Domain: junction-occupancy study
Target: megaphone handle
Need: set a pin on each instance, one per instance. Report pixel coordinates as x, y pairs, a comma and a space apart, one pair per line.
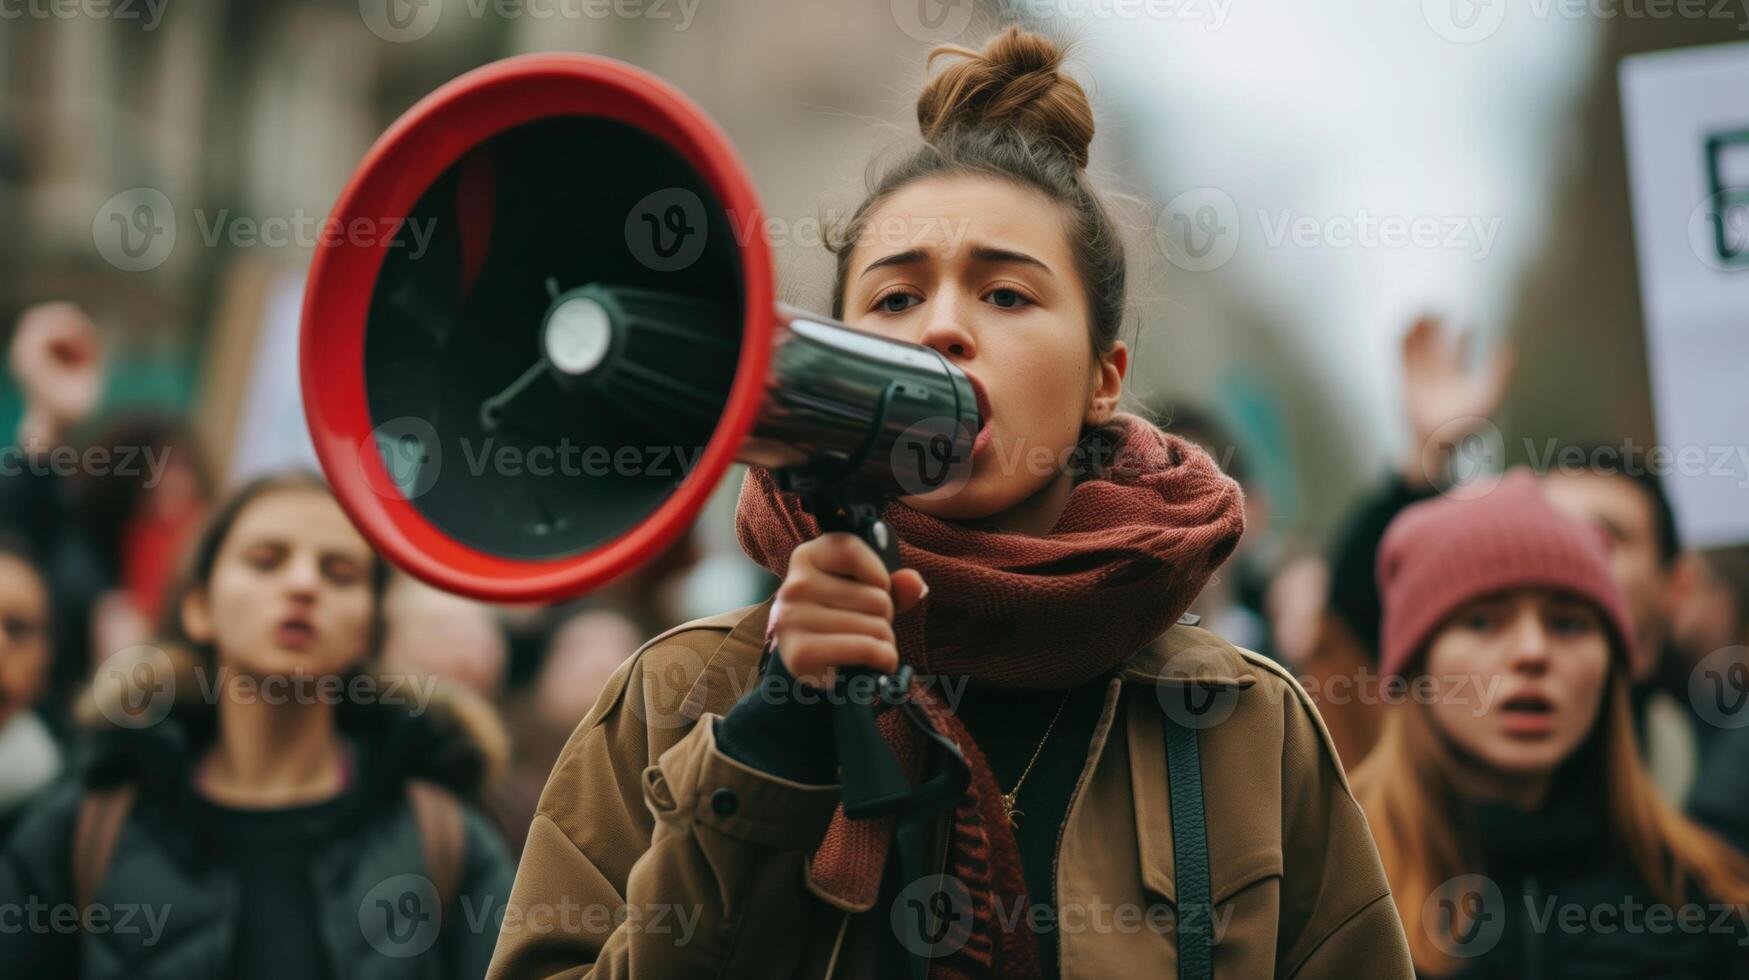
870, 779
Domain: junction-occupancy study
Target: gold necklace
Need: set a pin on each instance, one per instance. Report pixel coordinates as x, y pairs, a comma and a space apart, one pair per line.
1012, 796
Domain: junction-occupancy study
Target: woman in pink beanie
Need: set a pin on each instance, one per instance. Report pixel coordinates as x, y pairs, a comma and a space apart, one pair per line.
1520, 833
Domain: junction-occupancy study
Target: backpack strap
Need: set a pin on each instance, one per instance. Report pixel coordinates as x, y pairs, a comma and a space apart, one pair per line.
439, 817
96, 829
1190, 852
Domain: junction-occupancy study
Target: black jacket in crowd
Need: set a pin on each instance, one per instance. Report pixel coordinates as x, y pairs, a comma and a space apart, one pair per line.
1720, 797
1559, 899
194, 890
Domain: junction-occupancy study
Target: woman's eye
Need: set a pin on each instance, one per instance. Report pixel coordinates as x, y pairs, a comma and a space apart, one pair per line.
263, 559
1480, 621
342, 571
19, 631
1007, 299
897, 302
1571, 623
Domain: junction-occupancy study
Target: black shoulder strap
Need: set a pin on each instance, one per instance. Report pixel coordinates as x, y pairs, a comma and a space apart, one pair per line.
1190, 852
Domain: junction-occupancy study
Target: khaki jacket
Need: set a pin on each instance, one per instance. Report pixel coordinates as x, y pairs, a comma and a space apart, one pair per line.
654, 855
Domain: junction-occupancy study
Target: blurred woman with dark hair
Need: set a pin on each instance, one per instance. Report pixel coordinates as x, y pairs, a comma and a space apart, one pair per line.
1513, 792
275, 806
142, 516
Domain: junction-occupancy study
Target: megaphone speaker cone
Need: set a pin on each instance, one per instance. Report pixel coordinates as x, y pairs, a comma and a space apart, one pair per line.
456, 375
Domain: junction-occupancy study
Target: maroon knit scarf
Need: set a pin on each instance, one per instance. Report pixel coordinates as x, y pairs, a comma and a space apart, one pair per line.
1133, 547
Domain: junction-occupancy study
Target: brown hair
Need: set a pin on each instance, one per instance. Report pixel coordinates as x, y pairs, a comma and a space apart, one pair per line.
1009, 112
1412, 808
205, 554
20, 550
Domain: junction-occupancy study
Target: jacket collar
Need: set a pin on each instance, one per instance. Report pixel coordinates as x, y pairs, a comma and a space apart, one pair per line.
1184, 654
732, 666
1188, 655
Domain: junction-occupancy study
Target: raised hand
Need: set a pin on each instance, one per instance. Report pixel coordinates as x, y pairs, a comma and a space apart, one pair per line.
57, 359
1444, 397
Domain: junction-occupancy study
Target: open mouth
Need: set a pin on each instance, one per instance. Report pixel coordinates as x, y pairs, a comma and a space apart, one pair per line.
295, 633
982, 439
1528, 714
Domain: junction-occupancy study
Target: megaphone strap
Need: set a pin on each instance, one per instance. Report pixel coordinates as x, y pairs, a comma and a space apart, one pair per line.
982, 854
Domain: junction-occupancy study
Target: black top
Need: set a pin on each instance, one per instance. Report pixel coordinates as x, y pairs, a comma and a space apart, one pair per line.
1008, 726
269, 852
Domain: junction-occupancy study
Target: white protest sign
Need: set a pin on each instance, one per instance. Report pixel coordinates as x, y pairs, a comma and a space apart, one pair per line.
1686, 115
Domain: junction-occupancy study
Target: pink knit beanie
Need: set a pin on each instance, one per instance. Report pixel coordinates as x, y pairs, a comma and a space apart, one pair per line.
1440, 554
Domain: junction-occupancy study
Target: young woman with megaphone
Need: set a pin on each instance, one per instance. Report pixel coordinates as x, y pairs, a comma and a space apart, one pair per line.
692, 826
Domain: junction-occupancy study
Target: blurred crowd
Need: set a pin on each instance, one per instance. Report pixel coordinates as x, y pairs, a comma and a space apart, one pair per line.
96, 567
97, 517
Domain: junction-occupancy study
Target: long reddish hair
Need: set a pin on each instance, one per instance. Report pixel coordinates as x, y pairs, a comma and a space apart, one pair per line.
1406, 788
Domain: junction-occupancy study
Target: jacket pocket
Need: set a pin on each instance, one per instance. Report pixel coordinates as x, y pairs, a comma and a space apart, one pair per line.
1244, 839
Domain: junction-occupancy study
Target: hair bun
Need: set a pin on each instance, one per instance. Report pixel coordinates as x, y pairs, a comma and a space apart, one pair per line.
1015, 82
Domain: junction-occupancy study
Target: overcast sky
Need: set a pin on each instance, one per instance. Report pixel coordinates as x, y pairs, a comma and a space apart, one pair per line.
1325, 127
